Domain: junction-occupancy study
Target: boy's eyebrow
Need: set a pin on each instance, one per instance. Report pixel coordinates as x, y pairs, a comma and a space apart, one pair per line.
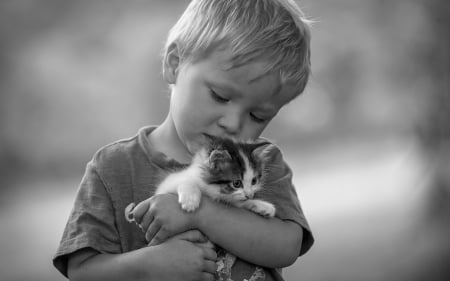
224, 86
231, 88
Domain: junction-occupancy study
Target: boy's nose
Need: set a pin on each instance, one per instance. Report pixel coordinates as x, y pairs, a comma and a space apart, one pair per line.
231, 123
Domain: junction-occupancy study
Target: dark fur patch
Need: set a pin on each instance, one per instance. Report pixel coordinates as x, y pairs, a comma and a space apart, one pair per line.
223, 170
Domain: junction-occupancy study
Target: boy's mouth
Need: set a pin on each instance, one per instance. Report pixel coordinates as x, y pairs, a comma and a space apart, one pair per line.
211, 137
208, 137
204, 139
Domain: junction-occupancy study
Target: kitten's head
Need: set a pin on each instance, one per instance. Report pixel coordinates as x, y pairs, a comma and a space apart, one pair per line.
234, 167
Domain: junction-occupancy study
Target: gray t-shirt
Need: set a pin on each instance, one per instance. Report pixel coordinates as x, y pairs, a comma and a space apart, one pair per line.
128, 171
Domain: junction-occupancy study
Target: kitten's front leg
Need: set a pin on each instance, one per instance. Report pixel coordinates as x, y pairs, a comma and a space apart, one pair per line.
189, 196
260, 207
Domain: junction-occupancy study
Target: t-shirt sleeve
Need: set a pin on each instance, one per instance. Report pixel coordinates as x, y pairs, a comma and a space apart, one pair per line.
279, 190
91, 223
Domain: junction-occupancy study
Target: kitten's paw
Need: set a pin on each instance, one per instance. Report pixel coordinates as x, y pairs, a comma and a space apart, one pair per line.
263, 208
189, 201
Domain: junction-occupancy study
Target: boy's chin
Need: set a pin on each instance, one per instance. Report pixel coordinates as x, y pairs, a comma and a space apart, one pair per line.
202, 141
195, 146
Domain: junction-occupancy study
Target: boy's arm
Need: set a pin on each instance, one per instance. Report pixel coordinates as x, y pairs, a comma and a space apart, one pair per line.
267, 242
190, 252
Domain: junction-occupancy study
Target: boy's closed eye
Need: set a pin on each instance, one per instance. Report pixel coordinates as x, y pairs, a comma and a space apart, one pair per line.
258, 119
218, 98
221, 99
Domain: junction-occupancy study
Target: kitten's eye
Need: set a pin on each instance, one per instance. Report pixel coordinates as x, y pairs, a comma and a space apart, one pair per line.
254, 181
236, 183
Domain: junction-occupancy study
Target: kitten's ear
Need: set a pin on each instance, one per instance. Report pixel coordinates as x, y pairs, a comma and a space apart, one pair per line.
255, 145
218, 158
265, 152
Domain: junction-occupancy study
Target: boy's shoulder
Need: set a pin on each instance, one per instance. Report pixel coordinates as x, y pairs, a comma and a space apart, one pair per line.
115, 151
121, 154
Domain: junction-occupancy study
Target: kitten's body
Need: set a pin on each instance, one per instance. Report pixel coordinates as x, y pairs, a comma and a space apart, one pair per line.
226, 171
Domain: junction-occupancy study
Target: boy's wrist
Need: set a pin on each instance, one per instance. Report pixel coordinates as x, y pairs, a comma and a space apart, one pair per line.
200, 216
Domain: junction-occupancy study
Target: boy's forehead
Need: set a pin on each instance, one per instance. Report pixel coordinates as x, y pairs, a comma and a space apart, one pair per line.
253, 76
246, 72
262, 81
282, 96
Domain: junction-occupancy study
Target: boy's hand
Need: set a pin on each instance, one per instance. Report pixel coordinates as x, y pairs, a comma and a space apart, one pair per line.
187, 256
161, 217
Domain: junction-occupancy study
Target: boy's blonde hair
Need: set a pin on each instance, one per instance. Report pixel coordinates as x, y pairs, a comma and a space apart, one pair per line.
273, 31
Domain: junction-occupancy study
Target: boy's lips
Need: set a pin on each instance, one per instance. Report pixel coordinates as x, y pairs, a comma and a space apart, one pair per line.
210, 136
206, 138
203, 139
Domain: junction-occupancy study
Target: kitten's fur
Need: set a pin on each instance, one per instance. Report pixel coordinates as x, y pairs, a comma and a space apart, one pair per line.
225, 170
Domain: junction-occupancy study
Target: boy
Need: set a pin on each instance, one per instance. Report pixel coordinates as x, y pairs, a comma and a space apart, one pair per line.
232, 65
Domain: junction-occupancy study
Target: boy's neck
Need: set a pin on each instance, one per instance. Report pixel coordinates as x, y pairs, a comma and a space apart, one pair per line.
163, 139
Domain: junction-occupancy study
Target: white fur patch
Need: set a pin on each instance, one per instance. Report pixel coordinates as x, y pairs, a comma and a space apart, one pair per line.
248, 176
192, 173
187, 184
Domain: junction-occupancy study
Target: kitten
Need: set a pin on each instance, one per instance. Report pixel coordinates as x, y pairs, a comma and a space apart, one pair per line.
225, 170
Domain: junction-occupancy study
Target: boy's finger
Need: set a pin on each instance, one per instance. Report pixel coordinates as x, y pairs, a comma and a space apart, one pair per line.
209, 267
146, 221
207, 244
209, 254
154, 228
140, 210
158, 238
194, 236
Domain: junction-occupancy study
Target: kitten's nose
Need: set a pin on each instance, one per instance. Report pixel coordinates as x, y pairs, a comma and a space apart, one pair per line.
248, 194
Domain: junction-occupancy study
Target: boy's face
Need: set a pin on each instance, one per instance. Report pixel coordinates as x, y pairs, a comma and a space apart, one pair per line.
209, 97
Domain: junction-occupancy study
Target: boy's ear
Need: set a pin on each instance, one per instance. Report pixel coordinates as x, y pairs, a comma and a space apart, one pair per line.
171, 64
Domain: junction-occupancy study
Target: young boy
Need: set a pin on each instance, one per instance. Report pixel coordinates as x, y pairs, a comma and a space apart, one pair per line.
232, 65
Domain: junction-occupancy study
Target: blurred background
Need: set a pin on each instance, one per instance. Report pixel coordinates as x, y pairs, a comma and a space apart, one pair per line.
368, 141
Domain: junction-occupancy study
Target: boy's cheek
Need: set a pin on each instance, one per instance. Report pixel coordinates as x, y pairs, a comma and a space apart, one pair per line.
253, 132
